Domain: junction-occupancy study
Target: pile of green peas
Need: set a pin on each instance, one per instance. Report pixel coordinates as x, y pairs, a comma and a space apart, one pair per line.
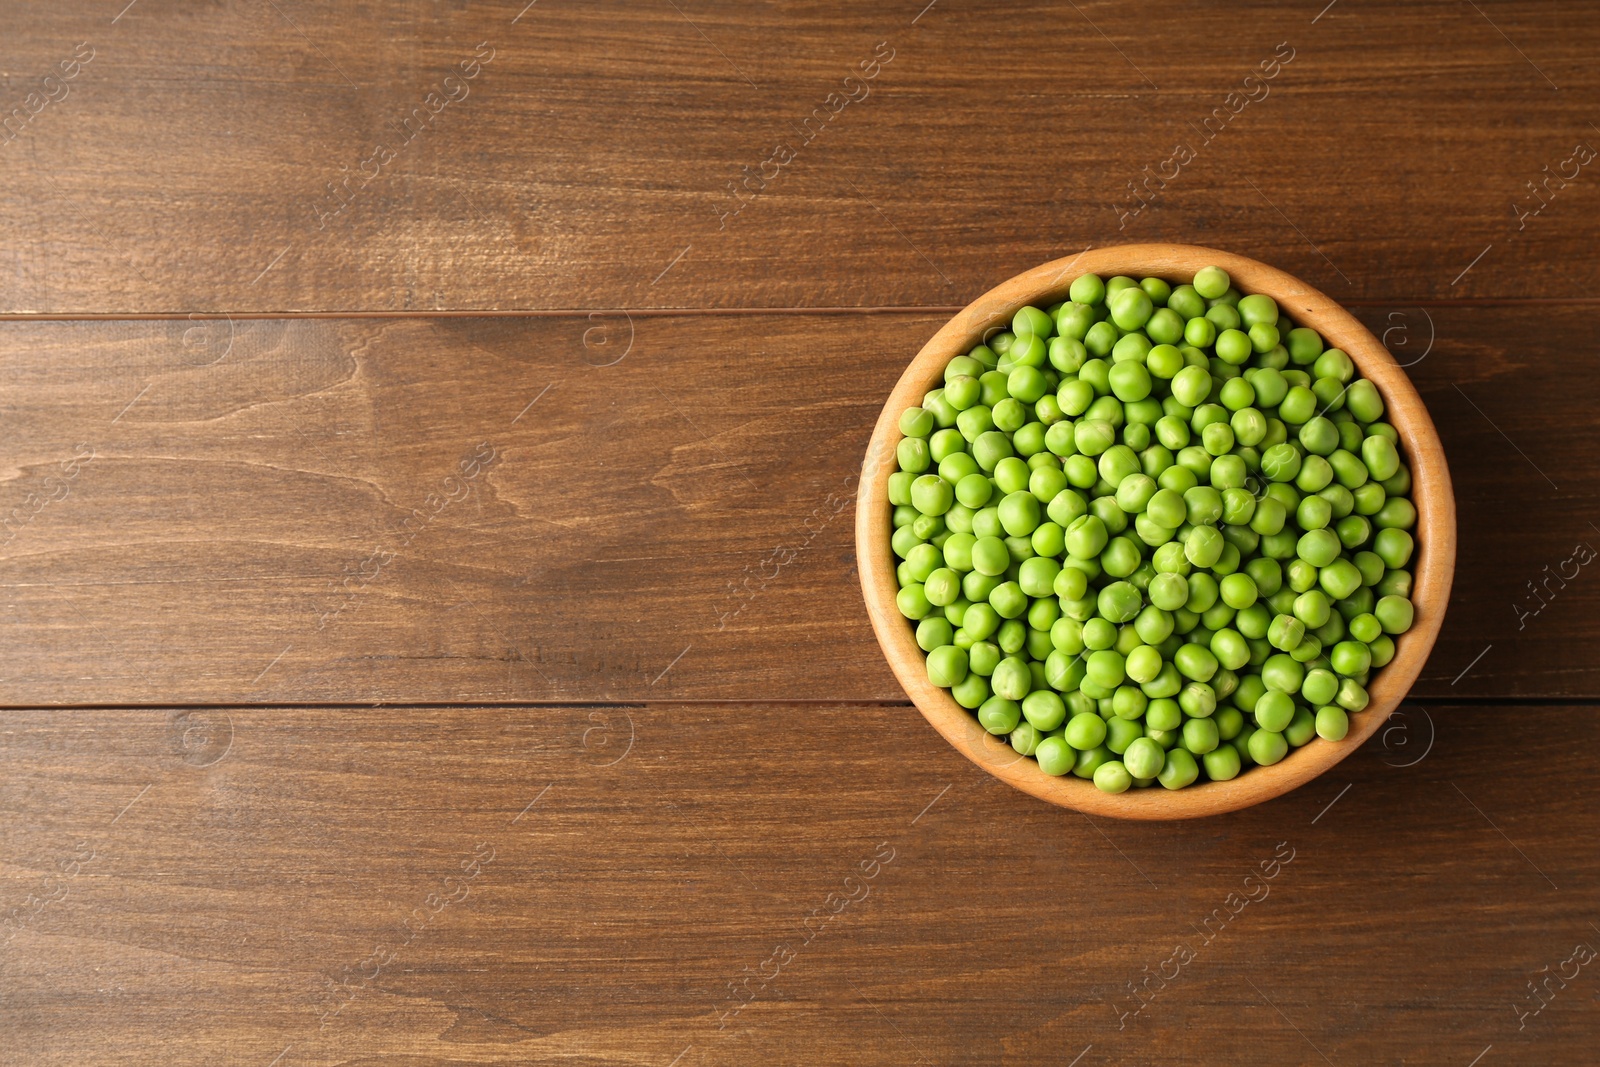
1154, 533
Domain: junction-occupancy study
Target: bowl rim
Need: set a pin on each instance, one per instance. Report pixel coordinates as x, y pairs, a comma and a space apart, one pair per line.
1433, 563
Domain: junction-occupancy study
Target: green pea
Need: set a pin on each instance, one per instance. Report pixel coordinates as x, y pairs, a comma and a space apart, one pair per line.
1332, 723
1363, 401
913, 455
1334, 364
1249, 427
1084, 731
1379, 454
1394, 546
1210, 283
1222, 764
1382, 648
947, 665
1195, 662
1394, 613
1352, 696
1112, 777
1267, 747
1282, 673
1131, 308
1340, 579
1301, 729
1349, 658
1106, 668
1030, 320
932, 495
916, 422
1179, 770
1144, 758
1286, 632
1200, 736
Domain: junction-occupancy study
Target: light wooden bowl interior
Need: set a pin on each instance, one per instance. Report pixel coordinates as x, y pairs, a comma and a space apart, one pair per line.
1433, 564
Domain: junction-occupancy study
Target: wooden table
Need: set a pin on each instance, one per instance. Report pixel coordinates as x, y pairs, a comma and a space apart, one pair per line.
431, 629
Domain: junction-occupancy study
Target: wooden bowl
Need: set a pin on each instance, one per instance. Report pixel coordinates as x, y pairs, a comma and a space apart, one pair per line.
1433, 564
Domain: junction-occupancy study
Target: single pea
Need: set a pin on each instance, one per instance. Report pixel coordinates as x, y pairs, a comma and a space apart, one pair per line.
1286, 632
1301, 729
947, 665
1313, 608
932, 495
1084, 731
1318, 547
974, 490
1332, 723
1299, 406
1366, 628
923, 560
1210, 283
1203, 591
916, 422
1352, 696
1394, 613
963, 392
1222, 763
1019, 513
1330, 395
1267, 747
1086, 536
1131, 308
1319, 436
1044, 708
1230, 649
1030, 320
913, 602
1009, 415
1379, 454
1055, 756
1098, 634
1363, 401
1349, 658
1025, 739
1282, 673
1179, 770
1394, 546
934, 631
913, 455
1353, 530
1300, 575
1106, 668
1120, 733
1339, 579
1238, 591
1087, 289
1394, 583
1204, 545
1144, 758
1012, 679
1305, 345
1008, 599
1112, 777
1233, 347
1037, 576
1382, 648
1200, 736
1320, 686
942, 587
990, 556
1198, 700
1191, 385
999, 715
1195, 662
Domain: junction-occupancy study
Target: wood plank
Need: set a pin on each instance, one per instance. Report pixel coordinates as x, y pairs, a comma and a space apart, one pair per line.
200, 160
193, 887
291, 522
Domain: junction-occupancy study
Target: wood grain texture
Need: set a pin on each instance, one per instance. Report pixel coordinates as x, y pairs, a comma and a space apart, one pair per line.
249, 156
192, 886
291, 522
